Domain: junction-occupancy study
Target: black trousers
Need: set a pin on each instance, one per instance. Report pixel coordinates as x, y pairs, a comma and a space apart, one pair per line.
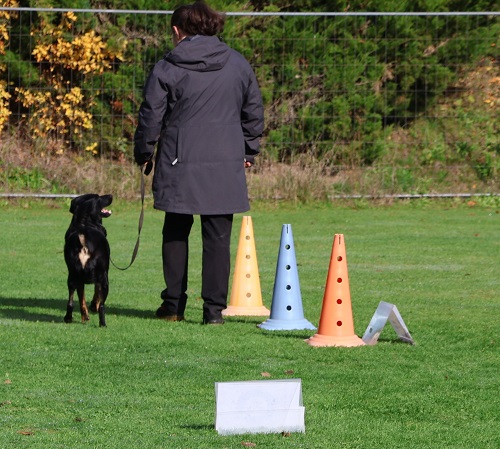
216, 262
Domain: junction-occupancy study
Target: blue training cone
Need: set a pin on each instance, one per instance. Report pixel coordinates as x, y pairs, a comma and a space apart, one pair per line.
286, 308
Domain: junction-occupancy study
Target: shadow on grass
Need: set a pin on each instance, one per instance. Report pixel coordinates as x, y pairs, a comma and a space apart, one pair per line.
294, 334
198, 426
28, 309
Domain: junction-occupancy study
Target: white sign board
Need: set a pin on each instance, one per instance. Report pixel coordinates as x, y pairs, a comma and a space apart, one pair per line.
261, 406
386, 312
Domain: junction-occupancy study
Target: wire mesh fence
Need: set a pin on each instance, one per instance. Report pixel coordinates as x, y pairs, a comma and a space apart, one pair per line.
352, 89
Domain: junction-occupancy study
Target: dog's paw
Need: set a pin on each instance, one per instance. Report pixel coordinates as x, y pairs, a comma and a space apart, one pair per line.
68, 319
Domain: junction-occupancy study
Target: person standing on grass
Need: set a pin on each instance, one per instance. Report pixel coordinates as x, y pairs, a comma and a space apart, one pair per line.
202, 106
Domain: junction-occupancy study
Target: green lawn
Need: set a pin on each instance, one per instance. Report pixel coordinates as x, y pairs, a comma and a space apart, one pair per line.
145, 383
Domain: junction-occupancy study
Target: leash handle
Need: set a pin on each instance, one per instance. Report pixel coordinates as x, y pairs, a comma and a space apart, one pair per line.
139, 227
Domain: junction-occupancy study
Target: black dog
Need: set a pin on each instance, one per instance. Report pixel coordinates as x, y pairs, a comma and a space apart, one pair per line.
87, 253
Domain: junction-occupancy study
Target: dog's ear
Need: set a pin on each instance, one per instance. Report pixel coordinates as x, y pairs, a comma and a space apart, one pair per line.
80, 200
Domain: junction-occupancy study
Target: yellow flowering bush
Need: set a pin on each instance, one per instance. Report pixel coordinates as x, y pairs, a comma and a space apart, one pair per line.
57, 114
62, 110
5, 16
86, 53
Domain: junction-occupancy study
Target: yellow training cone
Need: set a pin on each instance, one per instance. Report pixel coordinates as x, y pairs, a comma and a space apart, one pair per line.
246, 295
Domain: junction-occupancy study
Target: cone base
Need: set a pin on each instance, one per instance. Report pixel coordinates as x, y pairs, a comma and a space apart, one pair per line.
286, 325
246, 311
331, 340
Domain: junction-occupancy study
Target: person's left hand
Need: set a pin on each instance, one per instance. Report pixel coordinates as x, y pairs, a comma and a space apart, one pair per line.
248, 164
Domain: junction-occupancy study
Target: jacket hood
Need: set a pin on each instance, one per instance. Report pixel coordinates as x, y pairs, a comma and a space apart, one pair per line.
200, 54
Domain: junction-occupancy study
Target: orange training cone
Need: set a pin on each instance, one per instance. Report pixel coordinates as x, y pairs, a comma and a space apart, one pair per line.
336, 327
246, 295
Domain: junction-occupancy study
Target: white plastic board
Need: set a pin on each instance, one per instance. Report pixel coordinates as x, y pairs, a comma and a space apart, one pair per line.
261, 406
386, 312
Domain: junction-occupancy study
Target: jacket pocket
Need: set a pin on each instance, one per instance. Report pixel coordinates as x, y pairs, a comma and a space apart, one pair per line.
170, 145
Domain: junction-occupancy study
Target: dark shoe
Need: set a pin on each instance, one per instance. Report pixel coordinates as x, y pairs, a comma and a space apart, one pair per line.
164, 314
215, 322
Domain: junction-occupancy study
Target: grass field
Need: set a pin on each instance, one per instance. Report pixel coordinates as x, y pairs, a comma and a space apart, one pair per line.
145, 383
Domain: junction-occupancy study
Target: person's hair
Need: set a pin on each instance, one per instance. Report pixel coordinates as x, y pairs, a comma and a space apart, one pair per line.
198, 18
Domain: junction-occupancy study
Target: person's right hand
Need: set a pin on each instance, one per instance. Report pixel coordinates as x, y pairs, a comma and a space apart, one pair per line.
148, 166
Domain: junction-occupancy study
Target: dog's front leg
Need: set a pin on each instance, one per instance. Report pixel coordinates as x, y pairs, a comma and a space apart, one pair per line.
83, 304
100, 295
68, 318
102, 316
96, 300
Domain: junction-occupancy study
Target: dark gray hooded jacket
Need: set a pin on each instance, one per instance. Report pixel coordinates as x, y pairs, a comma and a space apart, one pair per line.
203, 107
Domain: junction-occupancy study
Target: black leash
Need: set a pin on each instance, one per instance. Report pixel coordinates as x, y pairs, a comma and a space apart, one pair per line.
141, 219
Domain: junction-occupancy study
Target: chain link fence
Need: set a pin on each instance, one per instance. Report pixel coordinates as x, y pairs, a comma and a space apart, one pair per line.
352, 89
